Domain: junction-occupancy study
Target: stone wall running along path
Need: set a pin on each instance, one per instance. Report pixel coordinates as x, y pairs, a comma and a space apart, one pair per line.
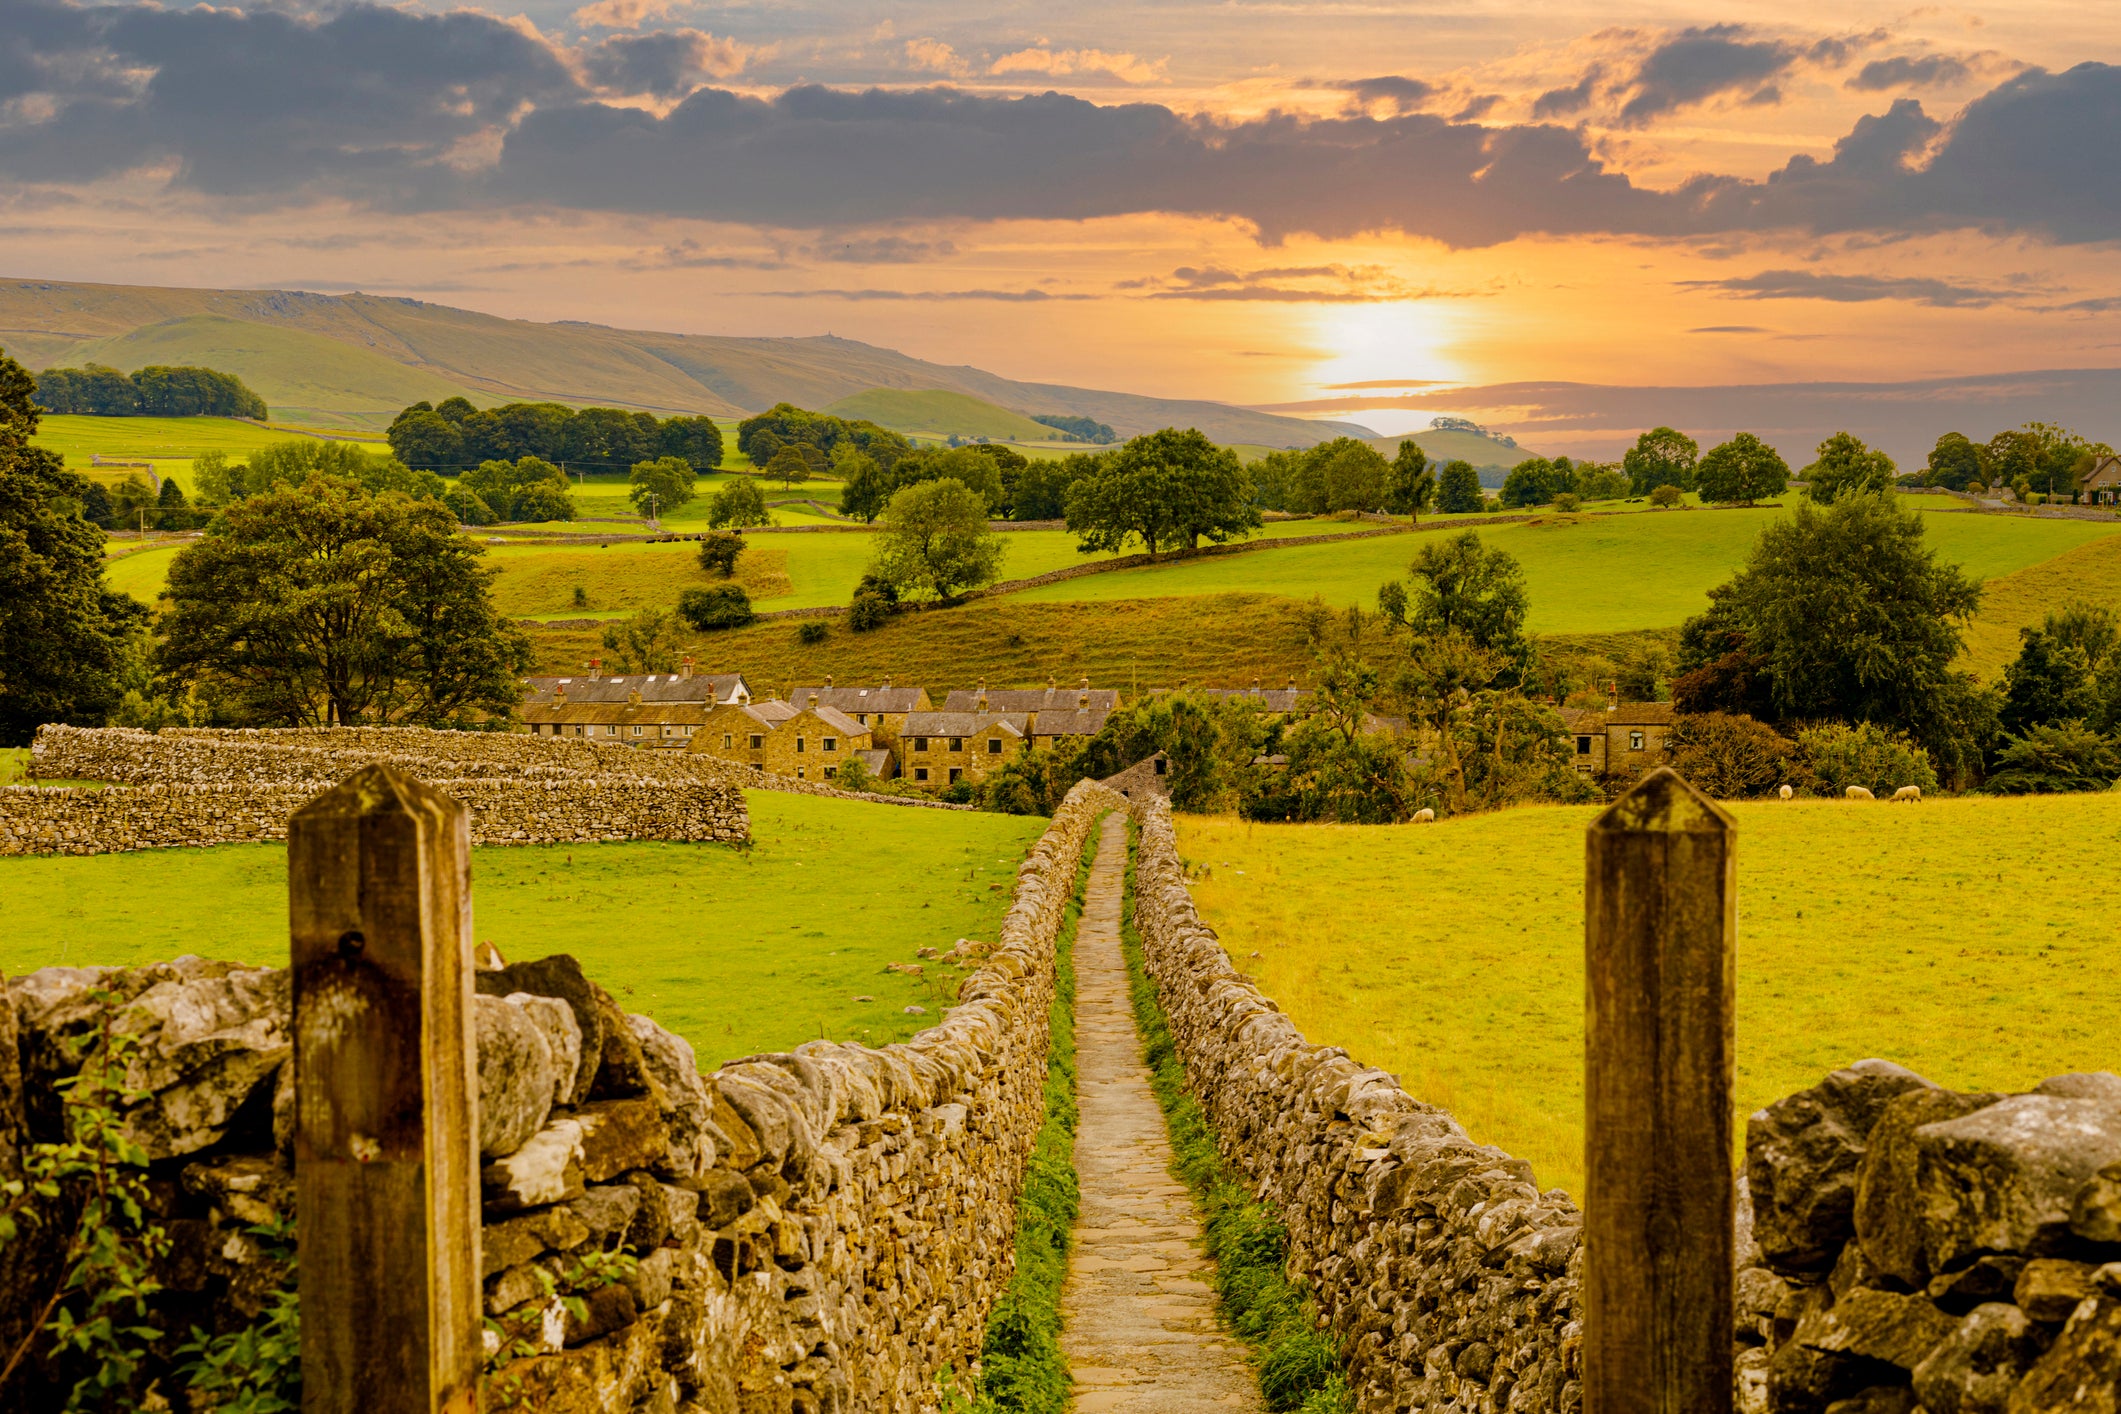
1139, 1326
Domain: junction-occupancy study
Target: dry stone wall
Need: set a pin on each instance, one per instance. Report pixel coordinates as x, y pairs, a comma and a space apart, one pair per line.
1451, 1278
311, 755
821, 1230
1919, 1248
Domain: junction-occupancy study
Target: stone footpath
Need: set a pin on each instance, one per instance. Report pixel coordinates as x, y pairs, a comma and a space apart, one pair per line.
1141, 1335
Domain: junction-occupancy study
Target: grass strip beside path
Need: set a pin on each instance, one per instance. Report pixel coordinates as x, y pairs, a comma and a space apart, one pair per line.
1022, 1366
1299, 1364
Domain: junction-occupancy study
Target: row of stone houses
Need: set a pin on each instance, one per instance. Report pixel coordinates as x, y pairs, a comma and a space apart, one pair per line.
900, 731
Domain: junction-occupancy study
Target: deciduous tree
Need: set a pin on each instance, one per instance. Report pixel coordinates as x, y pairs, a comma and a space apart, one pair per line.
1458, 489
1464, 586
666, 483
1410, 484
1660, 457
1164, 489
739, 503
1955, 463
325, 605
1742, 470
1844, 466
934, 540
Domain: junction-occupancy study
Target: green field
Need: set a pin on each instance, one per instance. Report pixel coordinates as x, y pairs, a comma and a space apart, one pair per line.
1585, 574
736, 950
1955, 937
169, 442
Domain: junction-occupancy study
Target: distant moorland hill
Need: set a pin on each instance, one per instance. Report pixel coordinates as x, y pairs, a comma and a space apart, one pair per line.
356, 359
933, 412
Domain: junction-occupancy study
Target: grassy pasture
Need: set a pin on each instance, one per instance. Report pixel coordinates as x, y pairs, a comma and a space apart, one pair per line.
171, 443
2023, 599
736, 950
1955, 938
1585, 574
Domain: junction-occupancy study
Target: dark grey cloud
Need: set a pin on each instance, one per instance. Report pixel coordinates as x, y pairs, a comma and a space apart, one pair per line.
1911, 71
929, 296
1698, 64
1731, 329
664, 63
406, 111
1857, 289
883, 250
1569, 101
1401, 94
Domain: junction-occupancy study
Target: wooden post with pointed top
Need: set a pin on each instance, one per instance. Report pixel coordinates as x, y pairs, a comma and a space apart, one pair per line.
1660, 935
386, 1143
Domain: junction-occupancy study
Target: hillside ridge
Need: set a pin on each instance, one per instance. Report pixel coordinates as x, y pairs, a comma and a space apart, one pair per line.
494, 359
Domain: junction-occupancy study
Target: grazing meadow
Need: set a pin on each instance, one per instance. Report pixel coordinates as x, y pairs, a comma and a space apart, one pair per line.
1954, 937
738, 950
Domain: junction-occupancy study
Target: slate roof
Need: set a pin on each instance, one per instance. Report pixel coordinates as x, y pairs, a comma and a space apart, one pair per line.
1042, 699
964, 723
878, 762
839, 721
653, 687
1627, 714
1068, 723
884, 698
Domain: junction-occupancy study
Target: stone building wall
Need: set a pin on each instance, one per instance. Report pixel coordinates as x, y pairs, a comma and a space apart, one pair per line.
539, 810
821, 1230
1451, 1278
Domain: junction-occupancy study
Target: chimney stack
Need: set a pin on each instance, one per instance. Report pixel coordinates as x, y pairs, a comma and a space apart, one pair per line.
596, 669
633, 698
685, 668
813, 699
828, 682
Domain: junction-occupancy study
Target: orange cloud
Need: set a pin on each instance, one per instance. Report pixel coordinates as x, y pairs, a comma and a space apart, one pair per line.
626, 14
1061, 62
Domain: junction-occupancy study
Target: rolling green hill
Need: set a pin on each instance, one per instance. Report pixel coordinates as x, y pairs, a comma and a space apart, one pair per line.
303, 376
52, 322
937, 412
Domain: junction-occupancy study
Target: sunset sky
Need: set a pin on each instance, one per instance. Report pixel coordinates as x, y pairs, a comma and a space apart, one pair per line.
1323, 206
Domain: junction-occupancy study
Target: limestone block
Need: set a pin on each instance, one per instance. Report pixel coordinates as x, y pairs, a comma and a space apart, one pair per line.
2049, 1289
517, 1075
2082, 1372
2004, 1178
1802, 1155
1888, 1225
618, 1135
546, 1169
1973, 1369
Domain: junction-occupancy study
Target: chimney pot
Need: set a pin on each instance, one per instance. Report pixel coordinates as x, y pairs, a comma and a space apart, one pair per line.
685, 669
828, 680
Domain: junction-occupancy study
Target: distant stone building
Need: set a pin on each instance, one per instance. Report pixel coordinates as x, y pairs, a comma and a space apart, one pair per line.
882, 708
809, 743
1050, 698
939, 749
1147, 778
1267, 701
639, 709
2102, 484
1625, 739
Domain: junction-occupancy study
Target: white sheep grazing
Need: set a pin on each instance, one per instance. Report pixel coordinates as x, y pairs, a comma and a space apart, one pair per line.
1910, 793
1424, 816
1787, 792
1858, 793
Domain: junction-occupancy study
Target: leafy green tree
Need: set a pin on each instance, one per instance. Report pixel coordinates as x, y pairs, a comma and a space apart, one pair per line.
1867, 754
739, 503
1660, 457
716, 607
934, 539
1164, 488
1350, 474
1955, 463
2054, 757
63, 634
1410, 484
171, 512
543, 501
1535, 481
2047, 682
453, 409
788, 466
609, 438
96, 506
325, 605
426, 440
467, 507
1667, 496
719, 550
1847, 615
1278, 482
1458, 490
1742, 470
1462, 586
666, 483
506, 486
1596, 482
696, 439
648, 642
866, 486
536, 430
1730, 755
1040, 491
1846, 467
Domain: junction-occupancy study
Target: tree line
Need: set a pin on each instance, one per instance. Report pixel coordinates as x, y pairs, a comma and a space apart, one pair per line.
155, 391
454, 435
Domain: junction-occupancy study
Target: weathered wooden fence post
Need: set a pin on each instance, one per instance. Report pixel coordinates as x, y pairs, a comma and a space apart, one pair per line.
386, 1146
1660, 935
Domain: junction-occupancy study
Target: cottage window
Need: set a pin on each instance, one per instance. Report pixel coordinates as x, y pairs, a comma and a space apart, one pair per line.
832, 743
957, 743
862, 717
920, 773
994, 746
1583, 746
1634, 741
728, 740
1161, 763
758, 742
954, 774
798, 744
636, 731
611, 731
832, 770
920, 743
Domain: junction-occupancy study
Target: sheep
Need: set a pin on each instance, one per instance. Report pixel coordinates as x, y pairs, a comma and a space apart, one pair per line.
1912, 794
1786, 792
1858, 793
1424, 816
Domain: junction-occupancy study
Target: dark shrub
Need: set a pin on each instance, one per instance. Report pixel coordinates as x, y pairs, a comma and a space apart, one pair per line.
723, 606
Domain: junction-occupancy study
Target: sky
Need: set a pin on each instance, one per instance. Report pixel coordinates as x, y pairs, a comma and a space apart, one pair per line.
1345, 207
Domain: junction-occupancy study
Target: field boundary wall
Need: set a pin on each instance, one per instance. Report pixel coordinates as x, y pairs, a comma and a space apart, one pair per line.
822, 1231
1451, 1279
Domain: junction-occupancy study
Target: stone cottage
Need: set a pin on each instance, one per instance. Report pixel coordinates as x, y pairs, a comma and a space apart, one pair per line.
939, 749
1624, 739
881, 709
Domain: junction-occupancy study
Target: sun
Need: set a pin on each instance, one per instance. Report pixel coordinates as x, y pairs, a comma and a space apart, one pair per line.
1382, 347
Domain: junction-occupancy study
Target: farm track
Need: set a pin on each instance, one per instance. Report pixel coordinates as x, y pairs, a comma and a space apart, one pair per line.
1140, 1332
